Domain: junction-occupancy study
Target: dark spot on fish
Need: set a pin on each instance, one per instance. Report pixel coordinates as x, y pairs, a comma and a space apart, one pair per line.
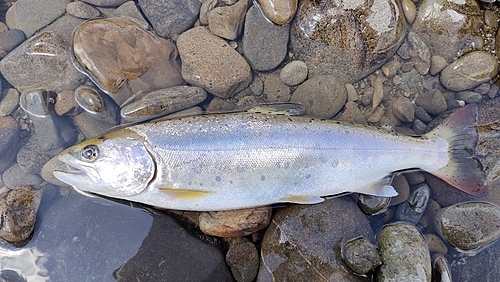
240, 169
287, 165
308, 175
201, 184
230, 182
278, 165
100, 138
263, 178
217, 178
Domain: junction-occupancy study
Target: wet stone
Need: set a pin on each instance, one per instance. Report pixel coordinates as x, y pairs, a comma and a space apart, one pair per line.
352, 114
422, 114
469, 71
89, 126
9, 102
265, 45
468, 97
243, 260
436, 244
15, 176
419, 53
221, 71
361, 256
235, 223
441, 270
227, 21
432, 101
66, 104
318, 99
130, 61
403, 109
130, 10
419, 127
438, 63
99, 106
373, 205
162, 102
82, 10
21, 14
404, 254
414, 177
401, 185
293, 73
9, 141
170, 18
18, 209
409, 9
275, 90
317, 36
412, 210
469, 226
9, 40
30, 159
279, 12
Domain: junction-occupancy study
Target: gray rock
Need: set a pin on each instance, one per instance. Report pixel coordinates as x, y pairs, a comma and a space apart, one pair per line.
469, 226
209, 62
170, 18
401, 185
327, 50
391, 68
227, 21
469, 97
361, 256
404, 51
32, 15
257, 86
31, 159
15, 176
433, 102
265, 45
353, 114
98, 105
438, 63
130, 10
403, 109
414, 177
483, 89
243, 259
303, 243
436, 244
48, 169
322, 96
293, 73
373, 205
105, 3
9, 102
469, 71
412, 209
419, 53
206, 7
419, 127
9, 141
43, 61
422, 114
459, 20
10, 39
89, 126
275, 90
441, 270
82, 10
404, 254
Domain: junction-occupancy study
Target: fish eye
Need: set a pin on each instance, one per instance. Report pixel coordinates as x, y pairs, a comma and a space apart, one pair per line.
89, 153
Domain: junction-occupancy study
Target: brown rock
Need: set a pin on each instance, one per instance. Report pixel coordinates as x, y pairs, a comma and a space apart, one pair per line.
235, 223
279, 12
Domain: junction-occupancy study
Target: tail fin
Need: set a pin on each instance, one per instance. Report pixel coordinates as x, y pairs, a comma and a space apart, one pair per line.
462, 171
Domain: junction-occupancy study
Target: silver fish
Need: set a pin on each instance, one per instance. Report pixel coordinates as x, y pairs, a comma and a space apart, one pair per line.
248, 159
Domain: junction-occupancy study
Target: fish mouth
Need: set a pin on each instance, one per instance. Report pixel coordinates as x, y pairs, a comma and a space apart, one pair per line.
77, 174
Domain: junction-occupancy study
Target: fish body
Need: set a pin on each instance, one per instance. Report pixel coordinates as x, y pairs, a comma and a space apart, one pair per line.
240, 160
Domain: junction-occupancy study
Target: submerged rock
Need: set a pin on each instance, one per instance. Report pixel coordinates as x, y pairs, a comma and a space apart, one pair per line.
361, 256
279, 12
235, 223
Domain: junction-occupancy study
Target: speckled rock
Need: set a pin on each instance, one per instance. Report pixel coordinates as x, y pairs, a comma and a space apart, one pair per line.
361, 256
235, 223
275, 90
98, 105
15, 176
404, 254
441, 270
353, 114
32, 15
373, 205
403, 109
400, 183
170, 18
432, 101
130, 10
9, 102
44, 61
162, 102
438, 63
458, 18
293, 73
412, 209
322, 96
468, 226
9, 40
9, 145
130, 61
220, 71
227, 21
318, 36
243, 259
419, 53
264, 44
31, 159
82, 10
303, 242
469, 71
279, 12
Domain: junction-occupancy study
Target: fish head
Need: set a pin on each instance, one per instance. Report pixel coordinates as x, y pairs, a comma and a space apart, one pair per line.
117, 164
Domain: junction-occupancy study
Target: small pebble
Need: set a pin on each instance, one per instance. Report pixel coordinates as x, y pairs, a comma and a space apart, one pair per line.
367, 97
422, 115
373, 205
352, 114
391, 68
99, 105
294, 73
419, 127
420, 53
436, 244
235, 223
403, 109
376, 115
361, 256
483, 88
82, 10
468, 97
401, 185
352, 94
243, 259
414, 177
404, 51
279, 12
438, 63
257, 86
433, 102
227, 21
409, 9
9, 102
66, 103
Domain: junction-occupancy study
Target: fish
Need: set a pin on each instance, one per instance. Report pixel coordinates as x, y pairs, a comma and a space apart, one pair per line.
228, 161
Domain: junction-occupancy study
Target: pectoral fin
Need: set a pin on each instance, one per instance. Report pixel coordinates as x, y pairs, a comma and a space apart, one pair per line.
184, 194
381, 188
304, 200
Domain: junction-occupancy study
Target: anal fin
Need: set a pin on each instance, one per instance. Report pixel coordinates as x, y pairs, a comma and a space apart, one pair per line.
184, 194
304, 200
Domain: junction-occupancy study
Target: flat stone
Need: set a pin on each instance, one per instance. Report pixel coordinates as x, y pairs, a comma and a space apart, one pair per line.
82, 10
32, 15
243, 259
209, 62
265, 45
9, 40
361, 256
170, 18
15, 176
130, 60
294, 73
403, 109
469, 71
235, 223
9, 141
9, 102
433, 102
105, 3
279, 12
227, 21
318, 98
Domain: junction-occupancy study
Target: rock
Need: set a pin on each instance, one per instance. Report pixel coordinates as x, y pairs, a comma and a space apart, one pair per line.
227, 21
243, 259
404, 254
275, 90
43, 61
9, 40
483, 89
32, 15
459, 19
419, 53
469, 226
441, 270
409, 9
403, 109
412, 209
235, 223
303, 242
318, 36
438, 63
401, 185
206, 7
66, 104
257, 86
422, 114
376, 115
279, 12
294, 73
82, 10
419, 127
105, 3
352, 94
469, 97
18, 209
318, 98
391, 68
220, 71
162, 102
404, 51
352, 114
170, 18
414, 177
265, 45
9, 102
436, 244
361, 256
9, 141
31, 159
130, 10
433, 102
373, 205
469, 71
15, 176
130, 61
48, 169
99, 106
